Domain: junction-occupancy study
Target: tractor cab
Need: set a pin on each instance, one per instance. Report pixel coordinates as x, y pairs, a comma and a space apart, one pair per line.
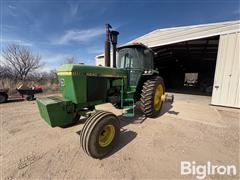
137, 59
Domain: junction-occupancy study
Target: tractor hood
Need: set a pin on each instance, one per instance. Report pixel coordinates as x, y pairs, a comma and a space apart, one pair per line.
88, 70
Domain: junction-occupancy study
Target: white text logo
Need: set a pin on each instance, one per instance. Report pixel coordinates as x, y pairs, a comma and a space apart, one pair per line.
202, 171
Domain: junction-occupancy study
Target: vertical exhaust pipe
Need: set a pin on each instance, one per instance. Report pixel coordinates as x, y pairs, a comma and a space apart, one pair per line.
107, 46
114, 35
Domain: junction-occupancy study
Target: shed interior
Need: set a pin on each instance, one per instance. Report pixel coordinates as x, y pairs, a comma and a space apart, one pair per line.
188, 67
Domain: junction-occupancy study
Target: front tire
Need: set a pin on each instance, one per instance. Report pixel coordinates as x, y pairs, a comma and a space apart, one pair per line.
100, 134
151, 96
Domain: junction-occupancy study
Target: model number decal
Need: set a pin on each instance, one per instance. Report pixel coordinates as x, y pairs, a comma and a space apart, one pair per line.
91, 74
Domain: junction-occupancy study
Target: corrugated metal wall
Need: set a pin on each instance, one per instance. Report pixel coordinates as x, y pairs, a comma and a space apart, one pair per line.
226, 86
100, 61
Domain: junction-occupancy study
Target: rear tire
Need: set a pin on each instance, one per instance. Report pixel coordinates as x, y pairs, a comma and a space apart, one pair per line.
151, 101
100, 134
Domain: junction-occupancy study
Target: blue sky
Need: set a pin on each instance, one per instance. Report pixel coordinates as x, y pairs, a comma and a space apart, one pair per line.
57, 29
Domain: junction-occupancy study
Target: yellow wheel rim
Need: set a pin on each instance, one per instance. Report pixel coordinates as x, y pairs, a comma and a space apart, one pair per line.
158, 97
106, 136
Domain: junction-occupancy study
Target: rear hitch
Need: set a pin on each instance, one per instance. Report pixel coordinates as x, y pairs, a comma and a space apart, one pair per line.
168, 98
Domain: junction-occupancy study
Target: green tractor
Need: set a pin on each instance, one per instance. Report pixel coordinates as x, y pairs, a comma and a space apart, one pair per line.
132, 78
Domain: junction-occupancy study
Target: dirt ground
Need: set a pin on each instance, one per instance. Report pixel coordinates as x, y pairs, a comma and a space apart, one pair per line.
187, 130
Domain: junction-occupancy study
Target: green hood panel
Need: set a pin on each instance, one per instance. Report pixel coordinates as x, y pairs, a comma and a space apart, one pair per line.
78, 81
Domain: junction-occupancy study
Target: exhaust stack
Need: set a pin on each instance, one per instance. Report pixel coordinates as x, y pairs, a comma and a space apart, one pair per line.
113, 36
107, 46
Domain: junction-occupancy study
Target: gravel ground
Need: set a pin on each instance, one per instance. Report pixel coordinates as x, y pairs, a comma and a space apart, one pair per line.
187, 130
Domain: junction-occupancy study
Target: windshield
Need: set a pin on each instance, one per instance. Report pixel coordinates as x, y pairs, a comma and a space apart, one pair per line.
130, 58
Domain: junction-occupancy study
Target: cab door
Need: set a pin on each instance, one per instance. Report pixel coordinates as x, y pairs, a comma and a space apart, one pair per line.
132, 65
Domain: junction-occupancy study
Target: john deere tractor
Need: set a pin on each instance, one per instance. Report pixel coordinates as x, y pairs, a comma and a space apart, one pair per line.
131, 78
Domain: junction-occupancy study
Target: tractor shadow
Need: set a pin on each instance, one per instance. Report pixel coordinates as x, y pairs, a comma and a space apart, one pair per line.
126, 137
165, 109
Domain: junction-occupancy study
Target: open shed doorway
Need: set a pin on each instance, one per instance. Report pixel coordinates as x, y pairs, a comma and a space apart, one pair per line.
188, 67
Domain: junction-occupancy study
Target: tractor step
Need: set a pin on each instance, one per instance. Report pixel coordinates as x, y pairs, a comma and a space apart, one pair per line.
128, 100
128, 107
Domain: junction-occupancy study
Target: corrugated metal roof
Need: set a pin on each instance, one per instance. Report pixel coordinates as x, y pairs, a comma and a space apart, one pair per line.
172, 35
167, 36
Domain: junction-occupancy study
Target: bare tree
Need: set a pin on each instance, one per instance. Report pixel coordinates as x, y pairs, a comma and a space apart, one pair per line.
43, 77
20, 60
3, 71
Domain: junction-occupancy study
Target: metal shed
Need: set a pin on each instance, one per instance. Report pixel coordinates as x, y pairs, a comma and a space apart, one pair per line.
212, 50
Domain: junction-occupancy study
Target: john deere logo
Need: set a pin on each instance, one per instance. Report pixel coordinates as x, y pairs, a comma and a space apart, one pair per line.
62, 83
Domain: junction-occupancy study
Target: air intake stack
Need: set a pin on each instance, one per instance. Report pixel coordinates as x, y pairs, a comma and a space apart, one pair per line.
114, 36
